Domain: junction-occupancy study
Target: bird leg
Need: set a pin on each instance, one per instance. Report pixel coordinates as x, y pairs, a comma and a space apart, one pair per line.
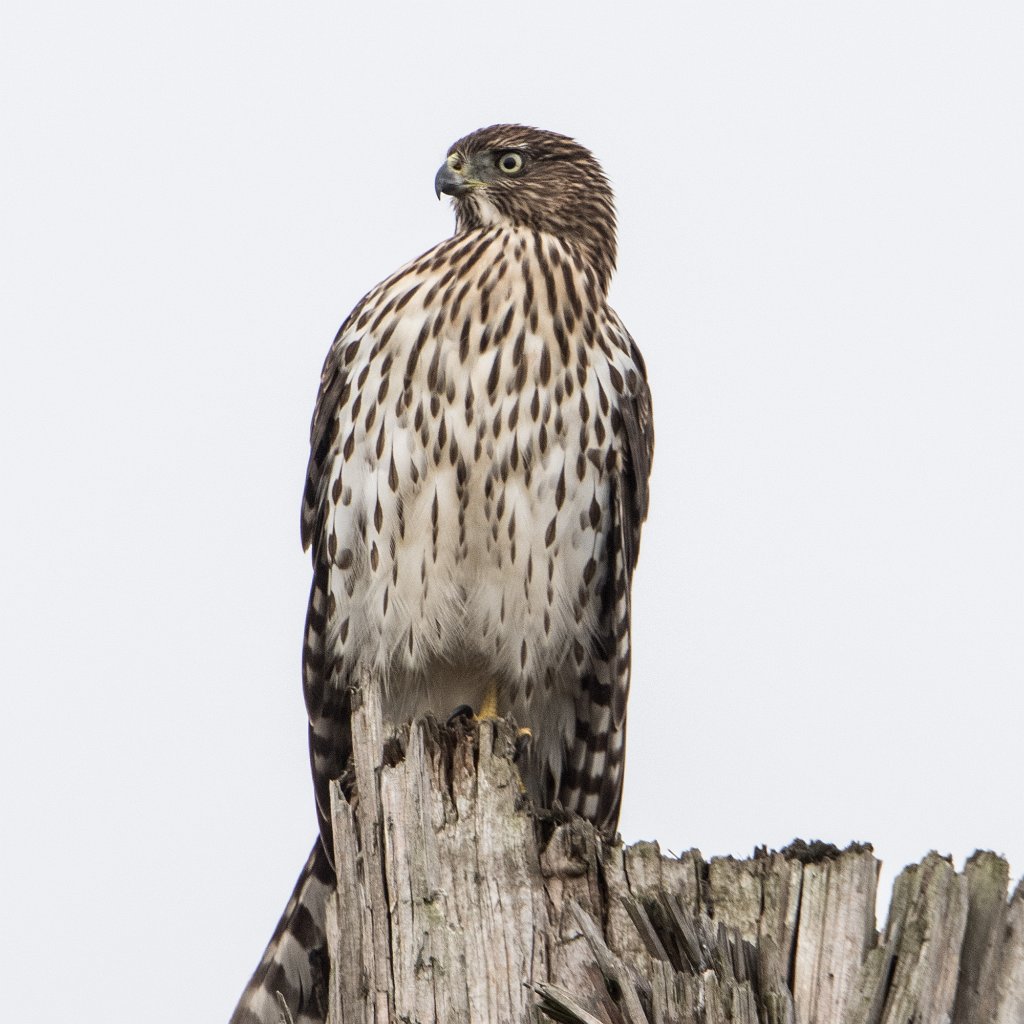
489, 706
489, 712
462, 711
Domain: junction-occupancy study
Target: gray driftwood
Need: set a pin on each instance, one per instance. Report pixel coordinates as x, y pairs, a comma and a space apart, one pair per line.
456, 904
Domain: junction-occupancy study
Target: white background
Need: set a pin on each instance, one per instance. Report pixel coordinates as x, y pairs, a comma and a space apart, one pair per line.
822, 254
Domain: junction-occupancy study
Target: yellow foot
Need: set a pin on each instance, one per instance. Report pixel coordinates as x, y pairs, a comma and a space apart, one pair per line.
489, 707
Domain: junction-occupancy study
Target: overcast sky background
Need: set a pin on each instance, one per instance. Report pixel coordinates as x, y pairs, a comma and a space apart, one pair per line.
822, 258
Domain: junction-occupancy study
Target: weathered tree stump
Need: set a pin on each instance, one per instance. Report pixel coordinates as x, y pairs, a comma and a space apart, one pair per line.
457, 903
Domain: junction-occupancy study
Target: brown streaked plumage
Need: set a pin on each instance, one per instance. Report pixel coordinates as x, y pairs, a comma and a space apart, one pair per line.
477, 482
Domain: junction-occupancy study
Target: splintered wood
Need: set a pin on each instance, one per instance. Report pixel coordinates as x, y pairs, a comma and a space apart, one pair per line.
458, 904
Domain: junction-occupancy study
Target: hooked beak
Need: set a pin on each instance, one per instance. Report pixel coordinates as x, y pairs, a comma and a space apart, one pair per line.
450, 182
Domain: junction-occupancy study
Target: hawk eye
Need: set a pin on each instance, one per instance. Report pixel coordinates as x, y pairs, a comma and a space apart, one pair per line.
511, 162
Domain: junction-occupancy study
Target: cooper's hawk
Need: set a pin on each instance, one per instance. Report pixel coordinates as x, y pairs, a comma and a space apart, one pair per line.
481, 447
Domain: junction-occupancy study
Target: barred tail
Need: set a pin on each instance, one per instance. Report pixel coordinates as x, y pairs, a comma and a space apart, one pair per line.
295, 961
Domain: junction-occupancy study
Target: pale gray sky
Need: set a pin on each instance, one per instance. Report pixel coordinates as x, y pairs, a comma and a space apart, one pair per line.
822, 253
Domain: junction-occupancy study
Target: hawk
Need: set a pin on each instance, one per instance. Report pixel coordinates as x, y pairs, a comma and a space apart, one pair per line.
477, 481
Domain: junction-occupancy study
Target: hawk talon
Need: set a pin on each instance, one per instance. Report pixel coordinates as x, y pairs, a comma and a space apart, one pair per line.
462, 712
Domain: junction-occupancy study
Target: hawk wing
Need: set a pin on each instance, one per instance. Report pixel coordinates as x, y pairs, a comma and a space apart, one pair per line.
591, 783
323, 431
327, 706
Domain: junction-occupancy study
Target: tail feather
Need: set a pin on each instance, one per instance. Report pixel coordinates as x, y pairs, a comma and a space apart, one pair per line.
295, 961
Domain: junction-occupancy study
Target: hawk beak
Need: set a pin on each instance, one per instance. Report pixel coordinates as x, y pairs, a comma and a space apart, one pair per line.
450, 182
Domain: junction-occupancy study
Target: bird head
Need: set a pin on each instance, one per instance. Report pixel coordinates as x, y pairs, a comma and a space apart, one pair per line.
523, 177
